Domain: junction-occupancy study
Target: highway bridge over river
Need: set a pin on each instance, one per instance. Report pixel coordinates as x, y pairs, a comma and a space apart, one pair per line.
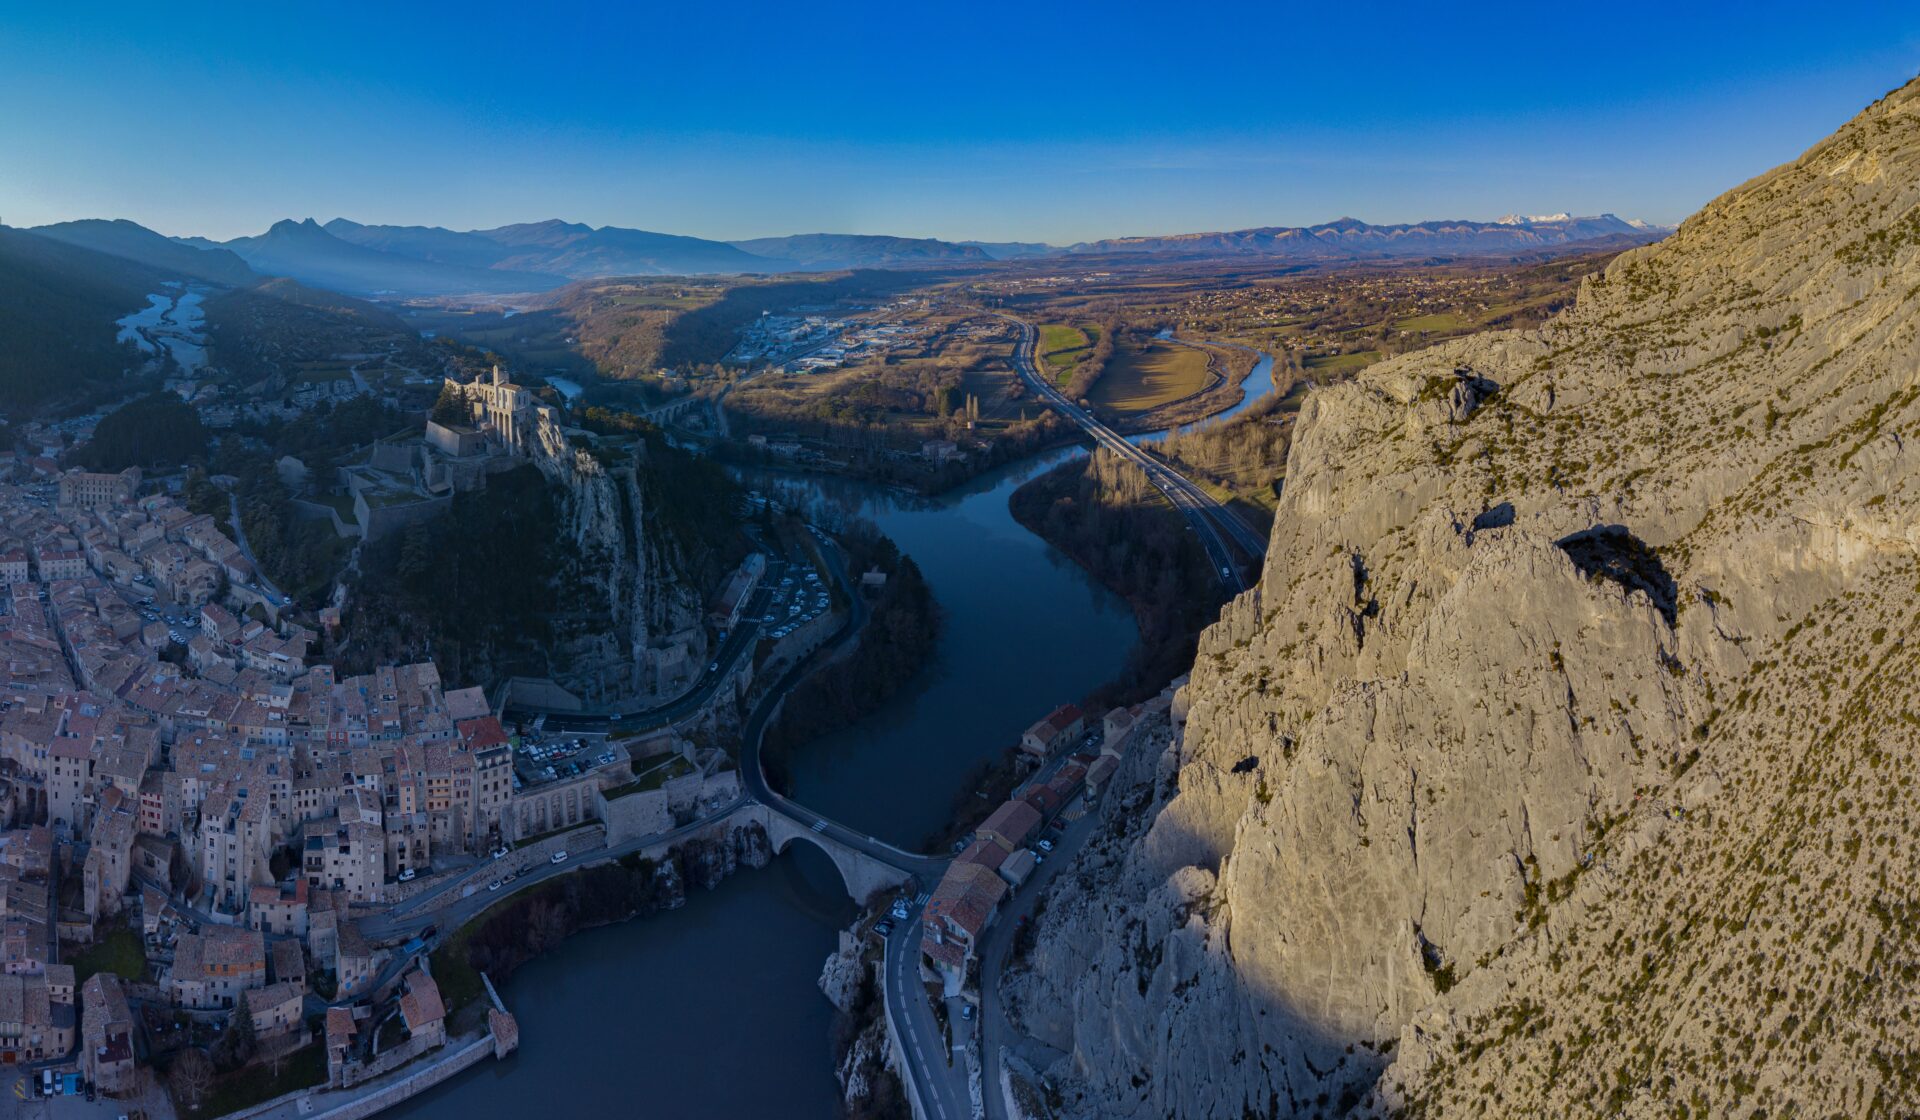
1214, 523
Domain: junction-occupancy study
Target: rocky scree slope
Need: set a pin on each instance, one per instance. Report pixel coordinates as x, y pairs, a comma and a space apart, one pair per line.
1562, 761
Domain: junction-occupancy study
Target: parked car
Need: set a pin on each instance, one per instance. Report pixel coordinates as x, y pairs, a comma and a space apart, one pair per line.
501, 853
1046, 845
883, 927
494, 886
966, 1012
407, 875
900, 910
558, 857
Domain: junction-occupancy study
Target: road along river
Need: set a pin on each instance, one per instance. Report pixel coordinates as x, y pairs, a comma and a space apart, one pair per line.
713, 1010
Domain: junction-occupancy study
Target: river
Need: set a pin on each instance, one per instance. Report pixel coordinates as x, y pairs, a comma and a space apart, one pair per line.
714, 1010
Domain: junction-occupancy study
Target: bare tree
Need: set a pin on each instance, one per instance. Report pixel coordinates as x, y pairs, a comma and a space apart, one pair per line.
190, 1078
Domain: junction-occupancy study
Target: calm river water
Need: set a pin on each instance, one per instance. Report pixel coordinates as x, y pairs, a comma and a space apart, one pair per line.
713, 1010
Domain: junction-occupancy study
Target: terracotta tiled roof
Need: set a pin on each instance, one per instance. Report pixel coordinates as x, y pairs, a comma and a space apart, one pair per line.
421, 1005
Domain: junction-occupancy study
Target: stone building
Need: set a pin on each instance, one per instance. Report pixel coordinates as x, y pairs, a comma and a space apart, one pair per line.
211, 969
36, 1017
106, 1034
88, 490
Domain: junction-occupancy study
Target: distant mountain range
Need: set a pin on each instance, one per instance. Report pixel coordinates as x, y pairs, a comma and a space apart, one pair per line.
406, 261
828, 251
1351, 237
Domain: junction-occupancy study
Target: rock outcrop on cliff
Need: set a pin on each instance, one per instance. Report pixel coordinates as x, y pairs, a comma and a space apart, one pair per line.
634, 578
1561, 762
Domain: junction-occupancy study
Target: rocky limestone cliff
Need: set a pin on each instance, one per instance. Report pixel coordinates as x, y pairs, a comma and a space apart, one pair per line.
1561, 763
632, 573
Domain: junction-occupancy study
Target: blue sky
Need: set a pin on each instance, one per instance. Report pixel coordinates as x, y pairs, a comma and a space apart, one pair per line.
1019, 121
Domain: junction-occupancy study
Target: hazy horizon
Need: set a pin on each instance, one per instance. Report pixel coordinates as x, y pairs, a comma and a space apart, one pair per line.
1026, 125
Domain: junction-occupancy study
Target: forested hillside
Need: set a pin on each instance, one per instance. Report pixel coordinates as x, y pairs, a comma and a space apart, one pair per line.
58, 304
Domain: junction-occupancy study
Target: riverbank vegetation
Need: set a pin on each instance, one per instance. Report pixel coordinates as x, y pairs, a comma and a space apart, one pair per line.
898, 641
1242, 462
853, 452
1103, 512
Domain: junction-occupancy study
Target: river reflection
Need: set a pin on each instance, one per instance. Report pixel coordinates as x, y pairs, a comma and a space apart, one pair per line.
1025, 629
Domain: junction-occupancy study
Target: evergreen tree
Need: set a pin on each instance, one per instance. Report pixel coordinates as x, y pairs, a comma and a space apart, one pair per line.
235, 1046
451, 408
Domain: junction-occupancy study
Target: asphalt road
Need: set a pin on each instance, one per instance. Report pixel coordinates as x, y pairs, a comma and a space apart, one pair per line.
753, 774
942, 1087
246, 550
1211, 521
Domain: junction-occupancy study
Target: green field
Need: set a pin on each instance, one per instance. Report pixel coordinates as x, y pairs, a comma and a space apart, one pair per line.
1062, 346
1343, 363
243, 1088
119, 951
1444, 321
1140, 379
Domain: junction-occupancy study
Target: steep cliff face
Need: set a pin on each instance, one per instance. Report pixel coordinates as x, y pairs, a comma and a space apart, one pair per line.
1559, 763
630, 572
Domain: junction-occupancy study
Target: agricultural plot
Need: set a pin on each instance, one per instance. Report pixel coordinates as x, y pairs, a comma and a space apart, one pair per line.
1139, 379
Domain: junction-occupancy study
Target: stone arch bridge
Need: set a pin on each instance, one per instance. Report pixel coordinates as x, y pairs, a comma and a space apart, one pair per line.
867, 866
673, 410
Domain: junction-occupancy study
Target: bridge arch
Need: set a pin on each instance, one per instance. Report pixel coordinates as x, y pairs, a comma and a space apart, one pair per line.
863, 875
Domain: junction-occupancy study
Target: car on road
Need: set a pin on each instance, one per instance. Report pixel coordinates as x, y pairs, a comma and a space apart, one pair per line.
558, 857
714, 668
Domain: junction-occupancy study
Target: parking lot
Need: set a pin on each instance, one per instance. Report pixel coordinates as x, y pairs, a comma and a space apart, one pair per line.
542, 758
797, 596
16, 1103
